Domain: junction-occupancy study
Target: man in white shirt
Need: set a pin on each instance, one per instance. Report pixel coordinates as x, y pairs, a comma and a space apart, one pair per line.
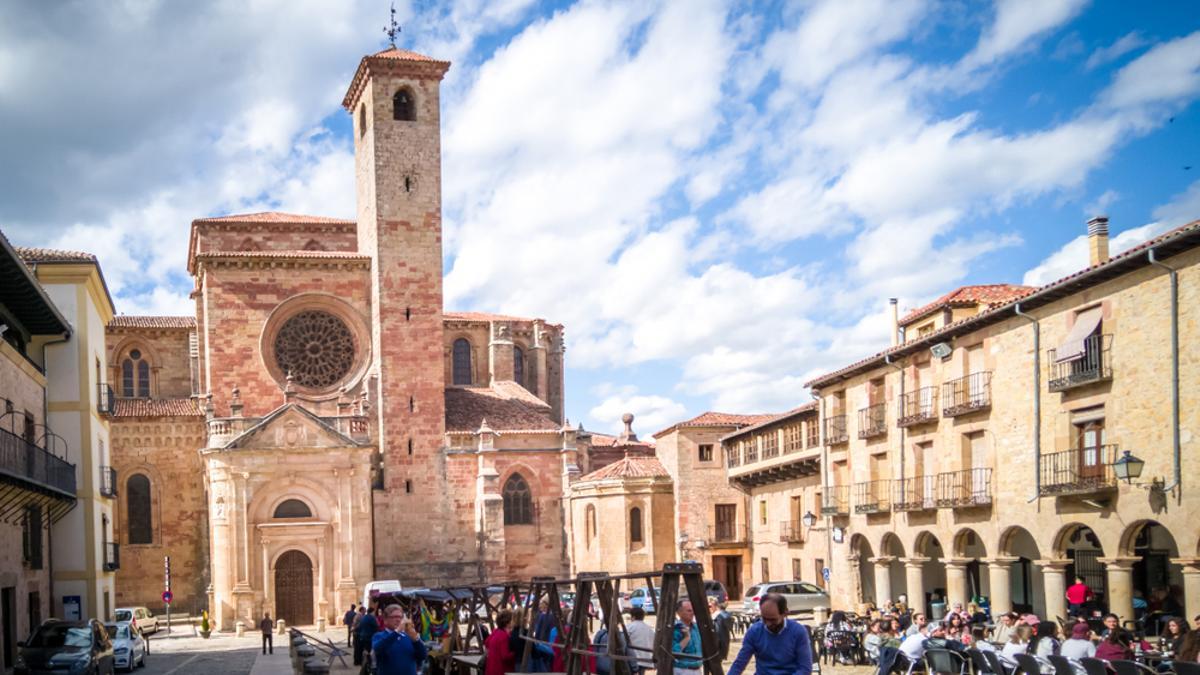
913, 646
918, 624
641, 637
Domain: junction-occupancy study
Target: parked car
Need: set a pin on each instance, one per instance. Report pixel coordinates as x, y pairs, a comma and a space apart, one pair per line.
141, 618
129, 647
638, 597
801, 596
67, 647
716, 589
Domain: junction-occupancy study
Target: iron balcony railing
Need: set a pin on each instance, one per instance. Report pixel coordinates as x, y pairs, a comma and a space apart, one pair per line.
872, 496
105, 401
22, 459
967, 394
918, 407
112, 556
1093, 365
108, 482
918, 493
966, 488
872, 421
791, 532
835, 430
835, 501
728, 533
1078, 471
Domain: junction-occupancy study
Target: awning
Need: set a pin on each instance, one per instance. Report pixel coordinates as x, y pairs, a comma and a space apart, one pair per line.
1073, 346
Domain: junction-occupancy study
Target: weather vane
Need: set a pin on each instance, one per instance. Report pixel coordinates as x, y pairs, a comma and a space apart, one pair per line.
392, 29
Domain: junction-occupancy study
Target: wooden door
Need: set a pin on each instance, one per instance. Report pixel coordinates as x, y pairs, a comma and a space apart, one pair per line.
294, 589
1090, 459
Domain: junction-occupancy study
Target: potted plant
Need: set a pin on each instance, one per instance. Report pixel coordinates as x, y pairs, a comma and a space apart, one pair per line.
205, 628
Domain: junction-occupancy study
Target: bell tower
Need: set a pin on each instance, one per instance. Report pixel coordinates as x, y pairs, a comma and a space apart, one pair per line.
394, 101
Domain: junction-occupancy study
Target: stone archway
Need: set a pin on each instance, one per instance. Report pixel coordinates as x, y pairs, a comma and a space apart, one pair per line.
927, 574
294, 588
967, 575
1155, 574
863, 556
1024, 590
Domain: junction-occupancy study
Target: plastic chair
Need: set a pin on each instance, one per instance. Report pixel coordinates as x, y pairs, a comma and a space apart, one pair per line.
1062, 665
907, 665
1027, 664
997, 666
979, 664
1185, 668
945, 661
1123, 667
1094, 666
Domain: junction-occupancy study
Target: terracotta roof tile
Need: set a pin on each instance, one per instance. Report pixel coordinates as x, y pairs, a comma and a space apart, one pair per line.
420, 64
398, 54
468, 407
987, 295
156, 407
633, 466
483, 316
52, 255
275, 217
719, 419
131, 321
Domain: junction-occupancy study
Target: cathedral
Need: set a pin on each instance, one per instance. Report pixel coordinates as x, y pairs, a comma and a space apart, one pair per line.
321, 421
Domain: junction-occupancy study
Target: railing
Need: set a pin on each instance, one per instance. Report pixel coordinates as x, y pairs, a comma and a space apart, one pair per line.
918, 493
918, 407
104, 399
791, 532
22, 459
835, 430
112, 556
728, 533
967, 394
872, 496
108, 482
969, 487
872, 421
1078, 471
1093, 365
835, 501
221, 430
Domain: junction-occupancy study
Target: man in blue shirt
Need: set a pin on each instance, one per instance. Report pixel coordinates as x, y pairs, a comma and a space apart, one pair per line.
686, 639
398, 648
779, 645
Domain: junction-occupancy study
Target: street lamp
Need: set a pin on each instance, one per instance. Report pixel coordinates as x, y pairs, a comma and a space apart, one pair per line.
808, 519
1128, 468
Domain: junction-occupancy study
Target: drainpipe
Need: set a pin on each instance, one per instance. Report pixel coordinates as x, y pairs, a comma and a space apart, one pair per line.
1173, 274
887, 358
1037, 403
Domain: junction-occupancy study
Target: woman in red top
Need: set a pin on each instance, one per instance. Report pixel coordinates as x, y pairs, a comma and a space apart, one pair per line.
500, 659
1077, 596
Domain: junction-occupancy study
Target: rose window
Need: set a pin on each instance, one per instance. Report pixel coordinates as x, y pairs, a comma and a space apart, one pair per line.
316, 347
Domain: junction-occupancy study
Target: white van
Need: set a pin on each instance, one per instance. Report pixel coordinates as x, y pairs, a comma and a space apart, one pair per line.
374, 588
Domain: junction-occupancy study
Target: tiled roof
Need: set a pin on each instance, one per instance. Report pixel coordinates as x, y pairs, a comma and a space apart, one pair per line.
275, 217
403, 55
986, 295
132, 321
718, 419
424, 65
632, 466
1184, 237
483, 316
156, 407
468, 407
52, 255
811, 406
606, 441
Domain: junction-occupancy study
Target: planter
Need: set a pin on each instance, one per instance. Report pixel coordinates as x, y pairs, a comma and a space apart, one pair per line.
205, 633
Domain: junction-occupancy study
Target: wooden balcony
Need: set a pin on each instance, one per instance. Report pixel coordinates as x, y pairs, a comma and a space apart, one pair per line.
918, 407
966, 395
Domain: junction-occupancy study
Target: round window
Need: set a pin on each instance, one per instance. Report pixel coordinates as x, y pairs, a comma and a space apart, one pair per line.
316, 347
135, 354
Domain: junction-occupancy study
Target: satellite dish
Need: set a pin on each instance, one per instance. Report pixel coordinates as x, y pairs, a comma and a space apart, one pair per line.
940, 350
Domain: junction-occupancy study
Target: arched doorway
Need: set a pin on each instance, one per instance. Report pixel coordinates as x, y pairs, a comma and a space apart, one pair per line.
1026, 591
1158, 580
933, 575
1079, 544
866, 568
969, 546
294, 589
892, 549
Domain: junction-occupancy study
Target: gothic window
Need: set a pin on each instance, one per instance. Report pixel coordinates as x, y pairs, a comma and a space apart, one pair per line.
403, 106
462, 361
292, 508
137, 509
518, 501
316, 348
519, 366
135, 375
635, 525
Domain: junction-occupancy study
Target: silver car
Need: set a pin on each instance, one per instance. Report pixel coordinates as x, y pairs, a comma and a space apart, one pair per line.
801, 596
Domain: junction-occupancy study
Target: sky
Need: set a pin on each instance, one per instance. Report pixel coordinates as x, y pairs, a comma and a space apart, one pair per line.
715, 198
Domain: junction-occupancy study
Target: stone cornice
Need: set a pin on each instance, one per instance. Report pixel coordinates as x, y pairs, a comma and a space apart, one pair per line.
283, 260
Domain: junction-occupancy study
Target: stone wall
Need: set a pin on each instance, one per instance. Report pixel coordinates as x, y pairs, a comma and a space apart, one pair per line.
167, 351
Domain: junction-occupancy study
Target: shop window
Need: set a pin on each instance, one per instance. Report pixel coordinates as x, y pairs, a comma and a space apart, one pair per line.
518, 501
137, 509
462, 362
635, 525
292, 508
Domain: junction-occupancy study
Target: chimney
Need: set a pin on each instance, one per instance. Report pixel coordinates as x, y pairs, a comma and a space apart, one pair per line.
1097, 240
895, 320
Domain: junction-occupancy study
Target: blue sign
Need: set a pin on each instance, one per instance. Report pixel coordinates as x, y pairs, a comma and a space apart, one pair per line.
825, 573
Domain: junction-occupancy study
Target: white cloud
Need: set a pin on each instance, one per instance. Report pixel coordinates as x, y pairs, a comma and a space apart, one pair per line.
1126, 43
1018, 23
1101, 203
1167, 73
650, 412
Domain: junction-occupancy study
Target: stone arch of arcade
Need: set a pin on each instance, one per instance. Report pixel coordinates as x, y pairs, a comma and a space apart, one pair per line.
864, 556
1014, 578
890, 580
926, 573
967, 577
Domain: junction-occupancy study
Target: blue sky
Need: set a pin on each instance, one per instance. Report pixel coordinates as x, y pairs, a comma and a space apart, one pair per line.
716, 198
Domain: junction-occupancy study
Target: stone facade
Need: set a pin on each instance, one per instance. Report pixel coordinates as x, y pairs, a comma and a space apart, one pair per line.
622, 518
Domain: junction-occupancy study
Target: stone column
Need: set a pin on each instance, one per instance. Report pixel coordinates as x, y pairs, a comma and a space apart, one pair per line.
266, 578
1191, 584
1000, 583
539, 384
1120, 586
322, 593
956, 582
500, 356
1055, 583
883, 579
914, 576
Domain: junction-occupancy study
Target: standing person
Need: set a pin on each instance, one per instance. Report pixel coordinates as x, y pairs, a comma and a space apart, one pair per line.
500, 659
641, 636
779, 645
398, 647
1078, 595
543, 622
686, 639
368, 626
348, 622
723, 623
268, 640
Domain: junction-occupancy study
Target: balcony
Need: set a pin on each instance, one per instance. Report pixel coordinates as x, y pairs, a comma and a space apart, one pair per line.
733, 455
964, 489
969, 394
872, 497
836, 500
918, 493
750, 452
918, 407
104, 399
1078, 471
835, 430
22, 462
108, 482
1093, 365
728, 534
112, 556
872, 421
791, 532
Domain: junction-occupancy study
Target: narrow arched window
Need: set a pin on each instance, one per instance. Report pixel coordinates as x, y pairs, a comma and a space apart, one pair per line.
127, 386
362, 120
518, 501
403, 106
292, 508
143, 379
462, 361
519, 366
135, 375
137, 510
635, 525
